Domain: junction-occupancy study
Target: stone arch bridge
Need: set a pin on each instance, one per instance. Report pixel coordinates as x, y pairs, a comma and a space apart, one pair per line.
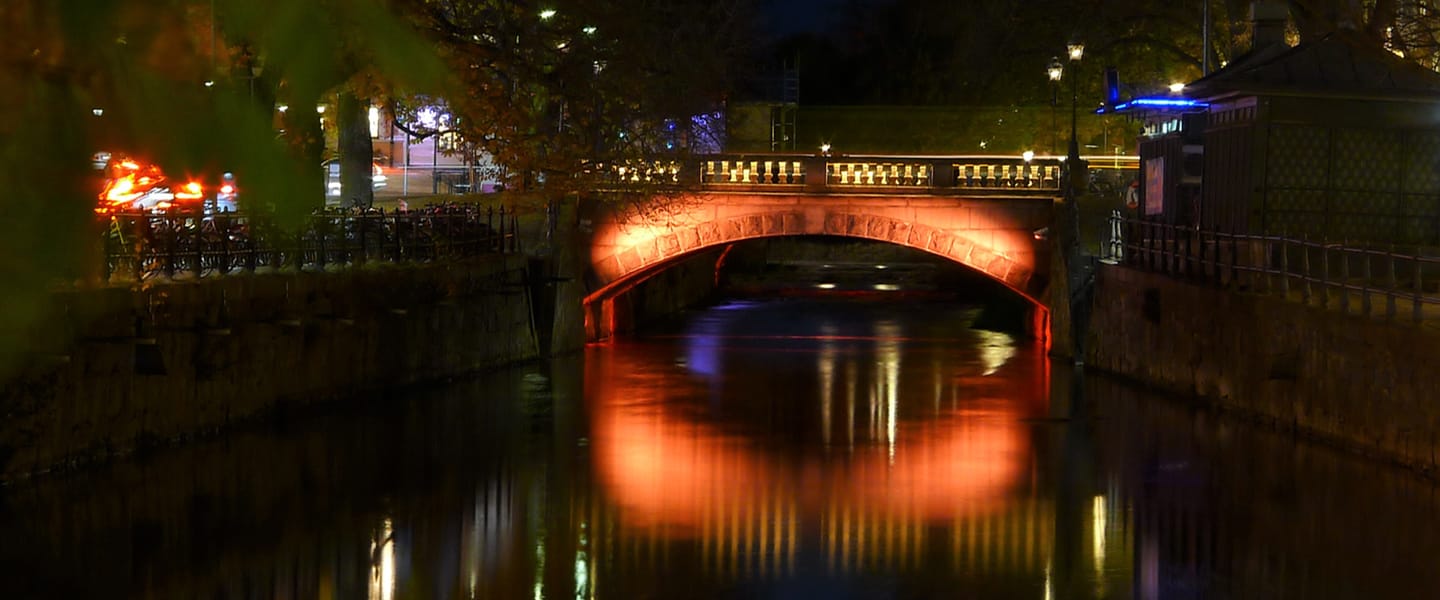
982, 212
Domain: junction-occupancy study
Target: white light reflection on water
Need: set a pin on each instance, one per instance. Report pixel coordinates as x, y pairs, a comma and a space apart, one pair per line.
887, 364
826, 359
1097, 526
996, 349
382, 572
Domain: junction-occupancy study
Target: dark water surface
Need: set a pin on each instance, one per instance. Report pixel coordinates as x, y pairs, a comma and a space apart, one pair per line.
788, 449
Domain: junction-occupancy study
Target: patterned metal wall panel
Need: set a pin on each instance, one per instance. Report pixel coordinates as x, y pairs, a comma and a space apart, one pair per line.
1296, 200
1379, 186
1420, 205
1294, 224
1422, 163
1298, 157
1416, 230
1373, 228
1365, 202
1366, 159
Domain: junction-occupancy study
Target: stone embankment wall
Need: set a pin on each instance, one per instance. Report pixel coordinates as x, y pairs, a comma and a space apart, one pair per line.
180, 359
1358, 382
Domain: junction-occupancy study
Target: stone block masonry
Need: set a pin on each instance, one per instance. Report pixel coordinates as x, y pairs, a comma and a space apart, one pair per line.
1358, 382
176, 360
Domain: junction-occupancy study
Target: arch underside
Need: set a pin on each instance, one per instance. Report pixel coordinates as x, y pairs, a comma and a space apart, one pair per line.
637, 260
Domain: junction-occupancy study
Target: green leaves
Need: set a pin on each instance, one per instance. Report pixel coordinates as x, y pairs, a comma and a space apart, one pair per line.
192, 85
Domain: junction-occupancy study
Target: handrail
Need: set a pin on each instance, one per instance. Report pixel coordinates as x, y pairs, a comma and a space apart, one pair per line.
139, 246
1012, 175
1306, 270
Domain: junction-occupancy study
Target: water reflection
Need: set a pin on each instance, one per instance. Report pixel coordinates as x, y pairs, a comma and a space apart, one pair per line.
919, 457
832, 451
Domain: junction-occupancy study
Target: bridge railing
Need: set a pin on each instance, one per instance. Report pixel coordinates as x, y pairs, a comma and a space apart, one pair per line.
812, 174
1355, 278
900, 174
144, 246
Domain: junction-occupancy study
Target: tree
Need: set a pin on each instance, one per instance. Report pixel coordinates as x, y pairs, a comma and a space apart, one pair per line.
564, 94
165, 80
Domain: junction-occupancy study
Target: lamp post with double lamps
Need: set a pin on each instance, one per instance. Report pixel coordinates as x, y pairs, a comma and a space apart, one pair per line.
1068, 227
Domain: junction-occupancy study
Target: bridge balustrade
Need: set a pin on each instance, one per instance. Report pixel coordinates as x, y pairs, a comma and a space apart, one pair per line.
652, 172
999, 175
896, 174
755, 171
882, 173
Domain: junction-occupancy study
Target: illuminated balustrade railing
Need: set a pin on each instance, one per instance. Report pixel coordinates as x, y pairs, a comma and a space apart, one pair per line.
652, 172
754, 171
881, 174
1025, 174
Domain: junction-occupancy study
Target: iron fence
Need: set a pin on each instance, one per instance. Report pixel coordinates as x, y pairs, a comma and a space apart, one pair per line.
140, 246
1352, 277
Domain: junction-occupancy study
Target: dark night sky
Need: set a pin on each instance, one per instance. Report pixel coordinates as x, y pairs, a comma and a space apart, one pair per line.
788, 17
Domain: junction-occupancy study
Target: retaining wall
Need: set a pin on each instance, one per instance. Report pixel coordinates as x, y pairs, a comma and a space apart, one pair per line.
1359, 382
174, 360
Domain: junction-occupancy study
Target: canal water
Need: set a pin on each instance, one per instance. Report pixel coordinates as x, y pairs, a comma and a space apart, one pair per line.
800, 448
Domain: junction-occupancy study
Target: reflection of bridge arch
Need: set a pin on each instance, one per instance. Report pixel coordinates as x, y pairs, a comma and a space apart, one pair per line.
954, 486
992, 235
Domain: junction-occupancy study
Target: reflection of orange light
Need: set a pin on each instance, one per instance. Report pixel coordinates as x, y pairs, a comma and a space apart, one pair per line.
227, 189
665, 468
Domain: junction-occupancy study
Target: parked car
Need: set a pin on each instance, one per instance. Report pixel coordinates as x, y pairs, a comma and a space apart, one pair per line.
332, 180
134, 185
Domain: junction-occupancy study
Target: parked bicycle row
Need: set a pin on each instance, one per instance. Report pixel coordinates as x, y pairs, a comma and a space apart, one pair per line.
142, 245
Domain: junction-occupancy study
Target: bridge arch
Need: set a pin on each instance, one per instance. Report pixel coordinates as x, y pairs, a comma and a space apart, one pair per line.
993, 236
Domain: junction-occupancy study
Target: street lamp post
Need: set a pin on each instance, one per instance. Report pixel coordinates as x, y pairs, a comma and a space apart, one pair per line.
1068, 226
1077, 50
1055, 71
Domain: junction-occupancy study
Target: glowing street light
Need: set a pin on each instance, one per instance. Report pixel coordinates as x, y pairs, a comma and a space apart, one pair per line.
1055, 70
547, 14
1177, 87
1077, 50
